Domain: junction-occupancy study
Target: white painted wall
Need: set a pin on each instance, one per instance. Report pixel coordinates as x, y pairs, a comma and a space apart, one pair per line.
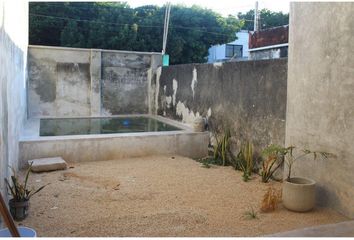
217, 52
13, 74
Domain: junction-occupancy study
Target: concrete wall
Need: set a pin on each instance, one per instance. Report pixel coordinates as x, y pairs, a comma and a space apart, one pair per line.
249, 97
13, 66
320, 109
89, 82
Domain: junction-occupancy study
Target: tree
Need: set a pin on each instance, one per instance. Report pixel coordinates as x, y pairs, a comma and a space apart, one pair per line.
70, 36
268, 19
118, 26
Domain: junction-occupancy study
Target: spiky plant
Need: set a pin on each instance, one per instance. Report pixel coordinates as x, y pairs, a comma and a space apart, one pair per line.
251, 214
222, 147
245, 162
18, 190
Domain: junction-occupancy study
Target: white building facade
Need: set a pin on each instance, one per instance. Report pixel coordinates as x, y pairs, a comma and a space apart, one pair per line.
237, 49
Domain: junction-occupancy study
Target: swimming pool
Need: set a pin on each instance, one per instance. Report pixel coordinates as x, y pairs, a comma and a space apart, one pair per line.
107, 125
82, 139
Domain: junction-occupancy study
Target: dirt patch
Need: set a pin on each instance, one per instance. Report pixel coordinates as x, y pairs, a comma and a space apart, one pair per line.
157, 196
90, 180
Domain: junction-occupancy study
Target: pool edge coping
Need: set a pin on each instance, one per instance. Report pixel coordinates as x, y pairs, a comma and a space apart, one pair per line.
185, 129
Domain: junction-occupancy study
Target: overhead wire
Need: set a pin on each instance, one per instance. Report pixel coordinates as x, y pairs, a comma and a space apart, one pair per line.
124, 24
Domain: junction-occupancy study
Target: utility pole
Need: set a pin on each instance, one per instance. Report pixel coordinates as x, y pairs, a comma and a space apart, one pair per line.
165, 28
256, 18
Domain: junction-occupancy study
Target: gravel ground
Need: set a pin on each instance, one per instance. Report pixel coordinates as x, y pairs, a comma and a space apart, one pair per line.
156, 197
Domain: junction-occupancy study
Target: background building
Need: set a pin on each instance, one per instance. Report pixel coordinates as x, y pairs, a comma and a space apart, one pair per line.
269, 43
237, 49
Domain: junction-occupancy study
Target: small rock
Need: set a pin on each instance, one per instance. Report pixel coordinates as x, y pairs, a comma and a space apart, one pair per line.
38, 180
63, 177
55, 207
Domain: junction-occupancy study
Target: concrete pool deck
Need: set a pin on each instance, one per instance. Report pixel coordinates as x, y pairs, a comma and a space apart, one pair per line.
97, 147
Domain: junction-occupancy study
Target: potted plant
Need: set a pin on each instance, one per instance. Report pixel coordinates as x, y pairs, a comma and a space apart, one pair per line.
298, 193
21, 194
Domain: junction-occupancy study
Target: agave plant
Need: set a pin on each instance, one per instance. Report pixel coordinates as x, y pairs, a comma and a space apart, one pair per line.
19, 190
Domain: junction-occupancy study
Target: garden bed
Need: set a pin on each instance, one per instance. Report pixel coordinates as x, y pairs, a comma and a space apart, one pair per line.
157, 196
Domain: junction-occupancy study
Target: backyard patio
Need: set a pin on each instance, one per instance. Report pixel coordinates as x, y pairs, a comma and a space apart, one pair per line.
222, 149
158, 196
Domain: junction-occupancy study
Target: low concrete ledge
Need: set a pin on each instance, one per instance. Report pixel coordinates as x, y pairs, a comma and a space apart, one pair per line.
108, 147
342, 229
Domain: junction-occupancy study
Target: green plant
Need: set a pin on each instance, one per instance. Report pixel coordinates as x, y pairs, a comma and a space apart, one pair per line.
251, 213
18, 190
206, 165
274, 158
291, 158
245, 160
285, 154
222, 147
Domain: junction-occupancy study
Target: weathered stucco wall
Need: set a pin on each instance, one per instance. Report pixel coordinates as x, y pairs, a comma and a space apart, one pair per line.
13, 66
248, 97
89, 82
320, 109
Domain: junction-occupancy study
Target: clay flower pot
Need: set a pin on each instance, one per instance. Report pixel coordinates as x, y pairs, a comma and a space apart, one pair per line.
299, 194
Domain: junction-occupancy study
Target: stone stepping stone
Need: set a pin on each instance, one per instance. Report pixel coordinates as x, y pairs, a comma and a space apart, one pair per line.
48, 164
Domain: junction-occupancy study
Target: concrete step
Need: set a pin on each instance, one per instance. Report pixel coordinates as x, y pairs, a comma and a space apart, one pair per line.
47, 164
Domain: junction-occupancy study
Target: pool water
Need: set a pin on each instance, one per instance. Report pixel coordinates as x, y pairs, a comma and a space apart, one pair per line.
85, 126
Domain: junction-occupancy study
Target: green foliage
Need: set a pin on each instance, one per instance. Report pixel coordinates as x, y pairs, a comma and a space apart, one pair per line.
291, 158
268, 19
222, 147
251, 214
223, 156
18, 190
274, 156
285, 154
70, 36
245, 160
118, 26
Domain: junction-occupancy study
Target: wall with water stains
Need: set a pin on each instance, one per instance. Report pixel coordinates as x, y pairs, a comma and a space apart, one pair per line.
13, 73
249, 97
71, 82
320, 103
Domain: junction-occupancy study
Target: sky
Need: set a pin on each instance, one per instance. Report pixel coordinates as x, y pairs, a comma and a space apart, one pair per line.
224, 7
